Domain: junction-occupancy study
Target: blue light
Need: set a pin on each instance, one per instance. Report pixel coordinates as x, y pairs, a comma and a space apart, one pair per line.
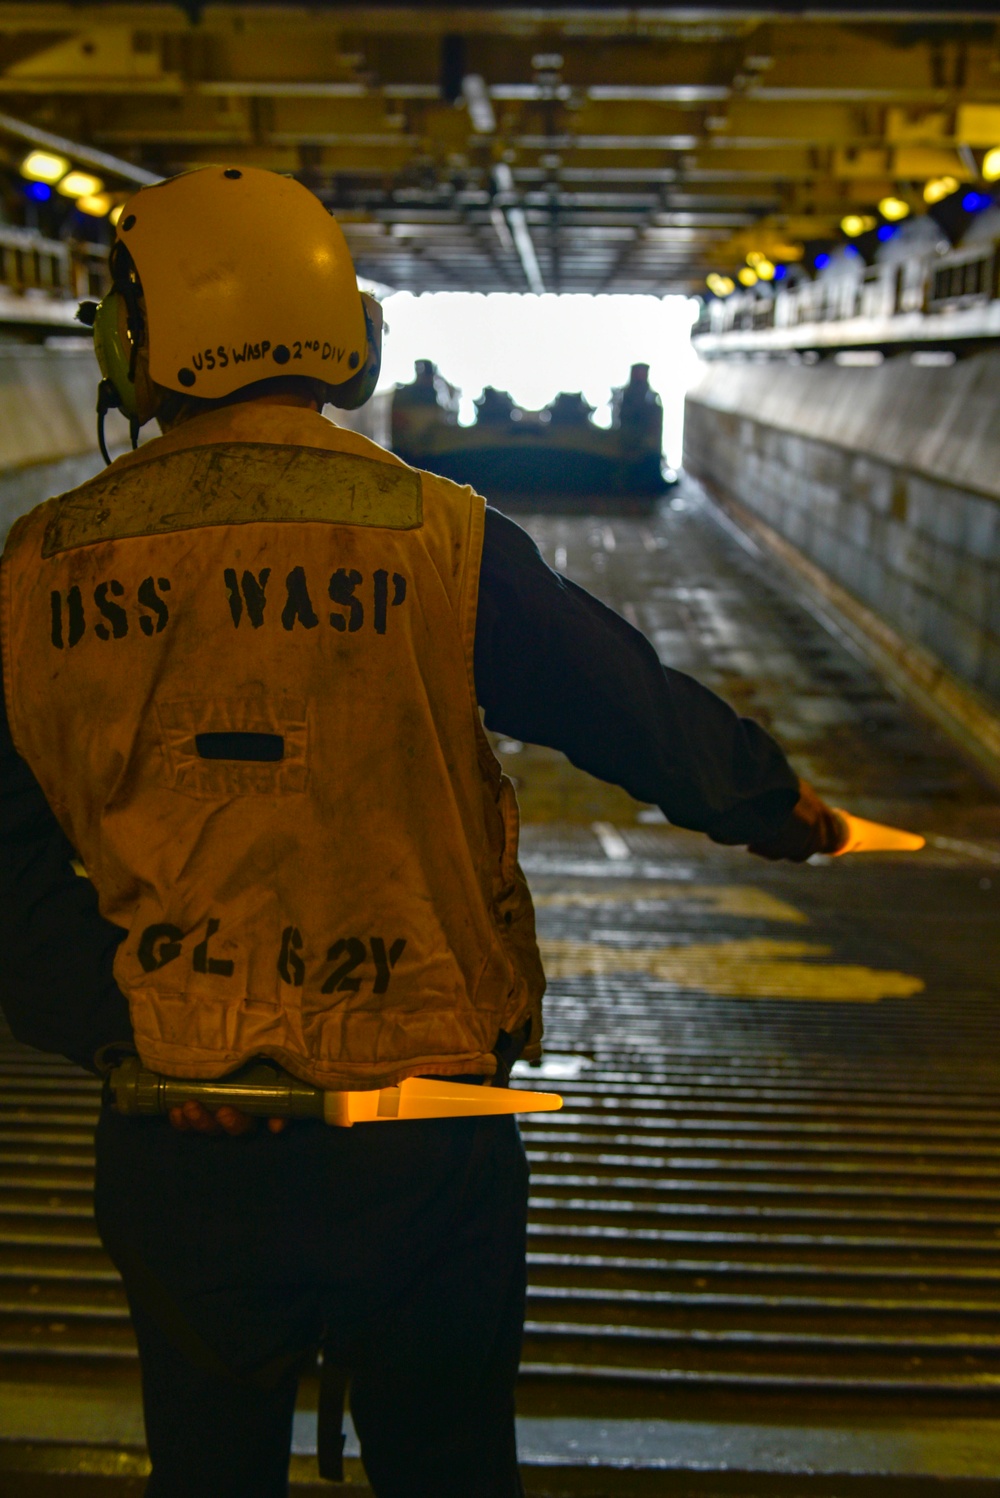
39, 192
780, 272
974, 201
852, 250
822, 260
885, 231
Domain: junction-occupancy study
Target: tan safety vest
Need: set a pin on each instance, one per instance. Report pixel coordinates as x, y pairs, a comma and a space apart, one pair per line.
239, 663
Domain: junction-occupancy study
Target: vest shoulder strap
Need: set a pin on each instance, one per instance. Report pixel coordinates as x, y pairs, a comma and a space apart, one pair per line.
236, 483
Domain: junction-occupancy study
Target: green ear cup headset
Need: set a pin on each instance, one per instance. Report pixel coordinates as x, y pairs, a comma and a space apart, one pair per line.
117, 388
119, 326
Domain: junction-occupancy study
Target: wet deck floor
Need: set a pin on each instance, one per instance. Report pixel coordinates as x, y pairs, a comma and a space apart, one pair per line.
765, 1235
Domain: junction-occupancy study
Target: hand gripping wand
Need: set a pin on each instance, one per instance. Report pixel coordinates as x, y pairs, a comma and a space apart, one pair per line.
266, 1089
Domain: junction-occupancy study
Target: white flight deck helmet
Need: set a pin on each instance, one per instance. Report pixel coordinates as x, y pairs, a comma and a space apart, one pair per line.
223, 277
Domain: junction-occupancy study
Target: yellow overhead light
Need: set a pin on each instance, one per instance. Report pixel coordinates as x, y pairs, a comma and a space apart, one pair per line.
722, 286
765, 270
755, 257
44, 166
97, 205
80, 185
747, 277
857, 223
116, 212
894, 209
942, 187
991, 165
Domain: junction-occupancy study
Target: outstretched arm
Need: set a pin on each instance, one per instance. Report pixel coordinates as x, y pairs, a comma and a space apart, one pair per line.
555, 666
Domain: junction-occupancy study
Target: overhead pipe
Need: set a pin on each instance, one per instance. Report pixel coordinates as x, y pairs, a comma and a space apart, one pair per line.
502, 228
101, 161
520, 233
479, 104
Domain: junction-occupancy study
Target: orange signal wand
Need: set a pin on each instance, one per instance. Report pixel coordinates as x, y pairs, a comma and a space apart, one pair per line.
421, 1097
875, 837
263, 1087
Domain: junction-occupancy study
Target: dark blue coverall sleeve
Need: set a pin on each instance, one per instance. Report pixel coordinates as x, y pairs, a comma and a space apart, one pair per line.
553, 666
57, 989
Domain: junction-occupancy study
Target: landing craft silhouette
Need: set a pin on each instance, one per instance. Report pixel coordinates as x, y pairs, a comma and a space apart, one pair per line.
539, 456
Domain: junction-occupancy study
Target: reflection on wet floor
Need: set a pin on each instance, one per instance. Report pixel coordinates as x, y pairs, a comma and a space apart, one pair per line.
765, 1231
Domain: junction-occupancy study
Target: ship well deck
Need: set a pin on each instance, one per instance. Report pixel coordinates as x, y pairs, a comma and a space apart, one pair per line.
765, 1230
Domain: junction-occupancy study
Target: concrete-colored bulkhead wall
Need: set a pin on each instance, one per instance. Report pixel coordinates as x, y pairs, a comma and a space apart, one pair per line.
48, 427
886, 478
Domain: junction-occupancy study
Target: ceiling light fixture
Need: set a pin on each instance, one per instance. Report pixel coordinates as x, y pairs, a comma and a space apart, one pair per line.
894, 209
974, 202
943, 187
95, 205
44, 166
80, 185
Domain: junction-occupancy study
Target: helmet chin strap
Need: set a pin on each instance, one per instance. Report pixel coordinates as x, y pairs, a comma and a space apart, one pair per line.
107, 400
107, 396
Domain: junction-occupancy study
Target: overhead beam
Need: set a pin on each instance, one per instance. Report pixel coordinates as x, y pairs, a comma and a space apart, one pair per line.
101, 161
711, 129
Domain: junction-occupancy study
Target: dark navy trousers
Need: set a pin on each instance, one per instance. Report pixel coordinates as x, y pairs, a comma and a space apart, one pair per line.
398, 1247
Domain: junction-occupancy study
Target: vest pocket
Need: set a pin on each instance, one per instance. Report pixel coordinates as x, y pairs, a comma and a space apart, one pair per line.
217, 748
258, 748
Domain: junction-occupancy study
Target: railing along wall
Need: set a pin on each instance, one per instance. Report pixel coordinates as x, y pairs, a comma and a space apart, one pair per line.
61, 269
920, 283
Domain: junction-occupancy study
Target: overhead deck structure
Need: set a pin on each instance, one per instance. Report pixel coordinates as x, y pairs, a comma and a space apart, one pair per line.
562, 147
